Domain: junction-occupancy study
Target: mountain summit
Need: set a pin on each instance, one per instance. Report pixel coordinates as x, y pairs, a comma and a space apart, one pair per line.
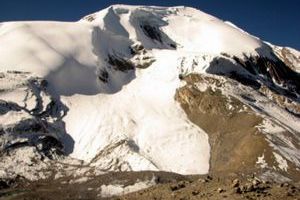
134, 88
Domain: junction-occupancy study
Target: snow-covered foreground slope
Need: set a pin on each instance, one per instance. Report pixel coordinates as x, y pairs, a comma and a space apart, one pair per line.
103, 88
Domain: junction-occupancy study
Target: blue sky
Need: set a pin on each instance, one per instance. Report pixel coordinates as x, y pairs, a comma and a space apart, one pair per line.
271, 20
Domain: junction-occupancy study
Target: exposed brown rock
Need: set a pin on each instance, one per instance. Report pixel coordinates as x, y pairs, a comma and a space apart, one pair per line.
234, 140
235, 183
286, 56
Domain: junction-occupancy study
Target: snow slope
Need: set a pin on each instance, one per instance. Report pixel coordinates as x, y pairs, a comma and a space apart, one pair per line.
127, 117
143, 112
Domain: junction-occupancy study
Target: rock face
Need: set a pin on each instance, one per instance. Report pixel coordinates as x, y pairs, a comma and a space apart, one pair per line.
234, 128
133, 88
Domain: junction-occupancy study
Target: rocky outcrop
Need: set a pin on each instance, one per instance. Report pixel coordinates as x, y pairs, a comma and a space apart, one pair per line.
31, 127
232, 124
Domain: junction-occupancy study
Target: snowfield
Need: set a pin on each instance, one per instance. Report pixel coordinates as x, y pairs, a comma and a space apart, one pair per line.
137, 106
120, 113
145, 114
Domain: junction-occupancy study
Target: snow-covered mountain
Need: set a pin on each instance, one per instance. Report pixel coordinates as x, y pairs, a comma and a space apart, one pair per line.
133, 88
